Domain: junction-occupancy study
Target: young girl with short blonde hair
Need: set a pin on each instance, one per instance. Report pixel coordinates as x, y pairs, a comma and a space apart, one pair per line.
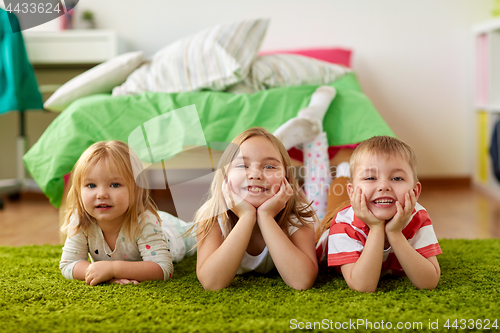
112, 218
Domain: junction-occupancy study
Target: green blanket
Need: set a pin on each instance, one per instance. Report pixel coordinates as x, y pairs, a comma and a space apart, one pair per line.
351, 118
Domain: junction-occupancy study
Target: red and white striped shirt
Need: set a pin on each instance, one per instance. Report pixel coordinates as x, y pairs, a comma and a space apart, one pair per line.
347, 237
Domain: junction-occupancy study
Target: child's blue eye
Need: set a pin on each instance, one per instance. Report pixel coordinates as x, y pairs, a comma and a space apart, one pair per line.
115, 185
91, 185
370, 178
269, 167
241, 166
397, 178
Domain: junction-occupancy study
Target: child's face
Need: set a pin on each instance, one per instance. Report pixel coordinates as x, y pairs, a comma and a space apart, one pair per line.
383, 180
105, 194
257, 172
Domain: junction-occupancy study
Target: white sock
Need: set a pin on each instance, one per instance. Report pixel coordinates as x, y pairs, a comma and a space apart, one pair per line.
297, 130
320, 101
343, 170
309, 122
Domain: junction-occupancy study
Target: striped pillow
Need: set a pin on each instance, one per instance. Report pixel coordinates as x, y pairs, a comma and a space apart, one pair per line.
284, 70
212, 59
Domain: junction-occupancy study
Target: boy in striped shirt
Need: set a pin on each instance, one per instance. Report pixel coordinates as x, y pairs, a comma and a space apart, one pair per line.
384, 230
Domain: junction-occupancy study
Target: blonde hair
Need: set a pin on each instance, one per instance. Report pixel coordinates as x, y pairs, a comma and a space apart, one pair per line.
124, 161
384, 145
215, 207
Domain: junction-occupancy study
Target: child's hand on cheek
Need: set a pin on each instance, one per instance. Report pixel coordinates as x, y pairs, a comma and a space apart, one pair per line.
397, 223
272, 206
358, 203
98, 272
235, 203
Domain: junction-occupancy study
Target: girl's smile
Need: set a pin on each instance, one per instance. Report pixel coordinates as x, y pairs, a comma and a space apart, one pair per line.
103, 207
254, 189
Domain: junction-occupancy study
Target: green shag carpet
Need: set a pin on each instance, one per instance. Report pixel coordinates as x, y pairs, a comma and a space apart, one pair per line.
35, 297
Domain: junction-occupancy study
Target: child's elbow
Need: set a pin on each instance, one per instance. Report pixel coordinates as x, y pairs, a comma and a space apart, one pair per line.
212, 284
301, 285
430, 282
364, 289
306, 282
428, 285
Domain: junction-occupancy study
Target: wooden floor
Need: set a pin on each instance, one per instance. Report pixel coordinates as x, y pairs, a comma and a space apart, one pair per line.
456, 211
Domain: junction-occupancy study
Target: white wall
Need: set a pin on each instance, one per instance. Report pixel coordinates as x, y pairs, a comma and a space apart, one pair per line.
412, 57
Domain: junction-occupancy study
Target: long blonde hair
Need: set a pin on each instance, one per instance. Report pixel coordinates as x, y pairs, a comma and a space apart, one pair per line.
124, 161
215, 207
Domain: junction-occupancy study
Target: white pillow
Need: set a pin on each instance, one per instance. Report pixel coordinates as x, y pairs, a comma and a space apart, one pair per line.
284, 70
211, 59
99, 79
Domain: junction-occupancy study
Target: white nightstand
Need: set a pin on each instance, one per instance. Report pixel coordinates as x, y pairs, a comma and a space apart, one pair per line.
70, 46
59, 56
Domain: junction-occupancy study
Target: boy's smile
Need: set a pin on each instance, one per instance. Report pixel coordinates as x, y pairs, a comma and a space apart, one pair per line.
383, 180
256, 173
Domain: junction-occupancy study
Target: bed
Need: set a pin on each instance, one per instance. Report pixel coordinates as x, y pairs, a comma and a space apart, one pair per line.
351, 118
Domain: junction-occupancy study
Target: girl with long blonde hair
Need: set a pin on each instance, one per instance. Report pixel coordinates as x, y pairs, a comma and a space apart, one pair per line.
256, 218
